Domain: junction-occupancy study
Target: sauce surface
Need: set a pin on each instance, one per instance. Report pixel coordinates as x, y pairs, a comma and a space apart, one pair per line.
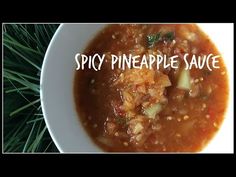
148, 110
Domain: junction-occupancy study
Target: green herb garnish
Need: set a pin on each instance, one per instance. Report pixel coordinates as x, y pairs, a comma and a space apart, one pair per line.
169, 36
184, 80
153, 110
155, 38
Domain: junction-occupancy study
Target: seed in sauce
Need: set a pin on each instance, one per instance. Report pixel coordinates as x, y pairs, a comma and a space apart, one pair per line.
223, 73
156, 142
178, 135
215, 125
169, 118
186, 117
92, 81
125, 144
204, 106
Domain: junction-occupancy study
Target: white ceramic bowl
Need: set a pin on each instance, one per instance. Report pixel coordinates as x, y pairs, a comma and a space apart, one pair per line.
57, 87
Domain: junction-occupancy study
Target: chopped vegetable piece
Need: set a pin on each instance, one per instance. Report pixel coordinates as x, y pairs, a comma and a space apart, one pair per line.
153, 110
164, 81
138, 128
184, 80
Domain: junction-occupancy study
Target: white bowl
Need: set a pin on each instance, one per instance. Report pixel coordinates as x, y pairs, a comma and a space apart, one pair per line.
57, 87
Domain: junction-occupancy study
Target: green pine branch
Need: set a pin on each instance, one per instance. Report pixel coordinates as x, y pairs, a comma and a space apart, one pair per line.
24, 46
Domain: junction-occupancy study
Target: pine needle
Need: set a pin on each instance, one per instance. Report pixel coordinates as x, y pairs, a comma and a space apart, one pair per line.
24, 107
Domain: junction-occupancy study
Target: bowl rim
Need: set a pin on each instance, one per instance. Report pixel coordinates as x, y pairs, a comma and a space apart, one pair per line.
45, 60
